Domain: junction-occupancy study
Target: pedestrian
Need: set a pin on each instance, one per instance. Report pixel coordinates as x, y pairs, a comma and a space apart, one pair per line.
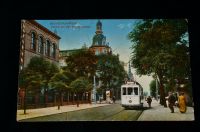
182, 103
176, 98
113, 99
149, 100
171, 102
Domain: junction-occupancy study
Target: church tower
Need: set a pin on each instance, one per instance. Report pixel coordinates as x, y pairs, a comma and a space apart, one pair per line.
130, 75
99, 44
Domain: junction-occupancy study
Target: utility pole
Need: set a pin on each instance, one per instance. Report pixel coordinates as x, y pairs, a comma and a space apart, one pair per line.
94, 90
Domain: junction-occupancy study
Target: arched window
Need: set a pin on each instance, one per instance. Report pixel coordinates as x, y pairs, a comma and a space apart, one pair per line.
53, 50
33, 41
47, 48
40, 45
97, 52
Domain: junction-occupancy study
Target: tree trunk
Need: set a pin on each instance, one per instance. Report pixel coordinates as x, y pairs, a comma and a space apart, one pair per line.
46, 98
162, 92
67, 97
162, 96
77, 100
89, 97
73, 98
61, 99
36, 100
54, 99
25, 100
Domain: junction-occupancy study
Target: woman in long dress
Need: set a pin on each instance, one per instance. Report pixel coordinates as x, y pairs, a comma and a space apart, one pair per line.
182, 103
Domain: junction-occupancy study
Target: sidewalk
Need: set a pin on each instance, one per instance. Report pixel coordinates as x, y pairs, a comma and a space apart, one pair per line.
31, 113
160, 113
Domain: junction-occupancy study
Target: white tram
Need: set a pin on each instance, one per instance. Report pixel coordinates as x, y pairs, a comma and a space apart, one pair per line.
131, 95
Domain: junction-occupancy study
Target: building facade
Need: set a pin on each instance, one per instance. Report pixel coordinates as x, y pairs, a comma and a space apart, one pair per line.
65, 53
36, 40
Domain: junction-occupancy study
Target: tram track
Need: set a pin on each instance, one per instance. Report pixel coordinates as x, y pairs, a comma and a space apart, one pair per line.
125, 115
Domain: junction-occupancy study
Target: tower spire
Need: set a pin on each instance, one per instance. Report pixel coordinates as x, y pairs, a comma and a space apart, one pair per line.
130, 75
99, 27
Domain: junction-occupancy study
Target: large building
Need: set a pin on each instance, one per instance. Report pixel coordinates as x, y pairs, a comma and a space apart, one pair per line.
65, 53
36, 40
99, 45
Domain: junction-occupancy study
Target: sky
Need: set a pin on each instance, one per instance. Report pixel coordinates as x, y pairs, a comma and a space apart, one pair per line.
75, 33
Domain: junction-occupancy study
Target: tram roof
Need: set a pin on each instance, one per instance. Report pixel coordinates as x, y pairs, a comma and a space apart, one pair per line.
132, 83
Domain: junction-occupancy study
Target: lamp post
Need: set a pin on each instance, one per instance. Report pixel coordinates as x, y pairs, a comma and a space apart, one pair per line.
94, 90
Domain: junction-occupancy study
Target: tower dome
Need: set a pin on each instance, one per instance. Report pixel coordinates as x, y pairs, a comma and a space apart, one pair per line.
99, 39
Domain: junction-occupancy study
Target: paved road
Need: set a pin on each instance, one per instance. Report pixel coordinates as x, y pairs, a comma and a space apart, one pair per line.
112, 112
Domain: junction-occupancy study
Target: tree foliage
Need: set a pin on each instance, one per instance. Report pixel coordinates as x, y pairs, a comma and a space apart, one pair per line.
29, 80
110, 70
82, 62
81, 84
152, 86
44, 67
59, 81
160, 48
37, 74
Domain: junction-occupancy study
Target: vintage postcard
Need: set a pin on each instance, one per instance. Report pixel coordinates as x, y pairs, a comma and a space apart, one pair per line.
104, 70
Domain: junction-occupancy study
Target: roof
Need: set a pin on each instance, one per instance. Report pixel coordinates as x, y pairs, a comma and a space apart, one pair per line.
44, 28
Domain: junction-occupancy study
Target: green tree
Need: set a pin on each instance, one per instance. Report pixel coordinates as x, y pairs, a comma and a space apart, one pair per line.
71, 77
152, 86
154, 48
81, 85
36, 76
83, 63
45, 68
111, 71
59, 81
29, 80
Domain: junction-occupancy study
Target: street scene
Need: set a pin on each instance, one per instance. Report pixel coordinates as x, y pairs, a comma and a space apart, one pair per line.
104, 70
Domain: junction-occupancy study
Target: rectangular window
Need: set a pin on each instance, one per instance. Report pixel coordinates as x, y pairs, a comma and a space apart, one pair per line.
44, 48
33, 39
124, 90
130, 91
136, 90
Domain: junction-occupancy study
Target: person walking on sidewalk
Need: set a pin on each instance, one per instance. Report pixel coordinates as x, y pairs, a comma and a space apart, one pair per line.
182, 103
149, 100
171, 102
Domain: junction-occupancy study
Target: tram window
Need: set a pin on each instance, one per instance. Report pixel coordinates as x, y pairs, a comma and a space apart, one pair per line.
135, 90
124, 91
130, 91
